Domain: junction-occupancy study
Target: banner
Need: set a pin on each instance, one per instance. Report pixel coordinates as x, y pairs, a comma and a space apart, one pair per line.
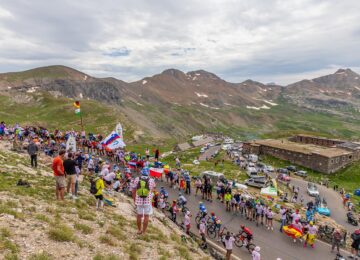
156, 172
71, 144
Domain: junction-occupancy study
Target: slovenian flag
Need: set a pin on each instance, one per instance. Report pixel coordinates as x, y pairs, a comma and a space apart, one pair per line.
156, 172
77, 107
110, 138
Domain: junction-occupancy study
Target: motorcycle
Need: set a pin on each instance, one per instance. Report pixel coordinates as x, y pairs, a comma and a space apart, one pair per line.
351, 219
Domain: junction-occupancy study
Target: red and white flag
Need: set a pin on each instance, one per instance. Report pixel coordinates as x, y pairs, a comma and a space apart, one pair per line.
156, 172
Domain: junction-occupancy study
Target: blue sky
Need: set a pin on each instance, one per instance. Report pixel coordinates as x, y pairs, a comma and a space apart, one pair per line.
268, 41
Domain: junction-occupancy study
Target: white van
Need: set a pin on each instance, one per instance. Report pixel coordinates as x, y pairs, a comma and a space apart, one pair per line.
214, 176
253, 158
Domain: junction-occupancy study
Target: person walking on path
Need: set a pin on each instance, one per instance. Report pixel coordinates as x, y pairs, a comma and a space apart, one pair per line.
256, 253
32, 151
336, 240
355, 244
229, 242
143, 192
59, 173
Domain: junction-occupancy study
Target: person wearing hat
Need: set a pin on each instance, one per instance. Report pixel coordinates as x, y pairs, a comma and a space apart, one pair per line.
355, 244
256, 253
99, 184
311, 235
187, 222
143, 188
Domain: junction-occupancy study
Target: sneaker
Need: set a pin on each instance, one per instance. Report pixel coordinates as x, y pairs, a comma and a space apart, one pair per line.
272, 228
268, 228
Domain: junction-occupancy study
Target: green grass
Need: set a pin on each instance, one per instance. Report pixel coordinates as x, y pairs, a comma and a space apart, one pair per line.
107, 240
41, 256
61, 233
117, 233
99, 256
85, 229
133, 250
86, 215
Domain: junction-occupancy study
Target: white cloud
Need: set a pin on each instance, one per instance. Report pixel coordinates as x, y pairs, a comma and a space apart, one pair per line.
272, 41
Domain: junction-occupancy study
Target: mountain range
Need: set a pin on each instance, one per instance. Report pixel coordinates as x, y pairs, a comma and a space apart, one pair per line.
174, 104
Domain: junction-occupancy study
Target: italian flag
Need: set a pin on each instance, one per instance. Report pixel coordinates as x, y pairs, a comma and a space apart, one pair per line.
77, 107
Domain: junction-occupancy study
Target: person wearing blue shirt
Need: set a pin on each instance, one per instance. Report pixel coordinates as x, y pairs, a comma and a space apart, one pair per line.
164, 192
202, 209
188, 183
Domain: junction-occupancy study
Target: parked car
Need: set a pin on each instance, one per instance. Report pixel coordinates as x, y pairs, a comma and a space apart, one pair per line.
253, 158
301, 173
282, 170
260, 165
257, 182
283, 177
214, 176
226, 147
312, 190
202, 150
268, 168
251, 171
291, 168
228, 141
251, 164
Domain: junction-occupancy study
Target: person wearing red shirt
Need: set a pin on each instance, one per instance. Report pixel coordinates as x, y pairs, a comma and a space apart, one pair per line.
59, 173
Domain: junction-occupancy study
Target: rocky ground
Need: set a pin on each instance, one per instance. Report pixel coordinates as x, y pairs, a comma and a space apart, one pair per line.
35, 226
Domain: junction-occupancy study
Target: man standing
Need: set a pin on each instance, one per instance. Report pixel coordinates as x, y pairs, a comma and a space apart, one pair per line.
142, 193
229, 241
33, 150
355, 244
59, 173
283, 212
70, 173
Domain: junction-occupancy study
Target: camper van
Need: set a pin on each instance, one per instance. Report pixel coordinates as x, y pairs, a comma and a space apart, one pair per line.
253, 158
257, 182
214, 176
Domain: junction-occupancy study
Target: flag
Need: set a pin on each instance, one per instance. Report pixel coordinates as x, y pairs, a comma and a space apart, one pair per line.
77, 107
110, 138
118, 143
156, 172
119, 130
71, 144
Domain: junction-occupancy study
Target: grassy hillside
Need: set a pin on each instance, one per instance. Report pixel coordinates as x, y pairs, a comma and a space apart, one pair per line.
35, 226
42, 109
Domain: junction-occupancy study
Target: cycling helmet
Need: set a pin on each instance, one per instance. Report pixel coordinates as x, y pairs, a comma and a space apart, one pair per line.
212, 214
180, 193
162, 188
201, 203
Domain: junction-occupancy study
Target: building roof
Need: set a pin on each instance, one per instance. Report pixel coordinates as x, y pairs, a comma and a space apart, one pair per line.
184, 146
203, 141
350, 145
303, 148
320, 137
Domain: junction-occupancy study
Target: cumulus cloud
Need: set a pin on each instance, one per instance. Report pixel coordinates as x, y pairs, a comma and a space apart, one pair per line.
271, 41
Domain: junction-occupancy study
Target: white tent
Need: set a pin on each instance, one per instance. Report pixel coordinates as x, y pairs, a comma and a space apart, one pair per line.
269, 191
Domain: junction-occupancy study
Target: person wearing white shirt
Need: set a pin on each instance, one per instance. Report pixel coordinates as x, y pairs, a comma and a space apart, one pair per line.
256, 253
229, 242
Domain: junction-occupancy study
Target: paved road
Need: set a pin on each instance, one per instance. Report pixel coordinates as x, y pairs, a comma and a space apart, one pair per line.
209, 152
273, 243
338, 212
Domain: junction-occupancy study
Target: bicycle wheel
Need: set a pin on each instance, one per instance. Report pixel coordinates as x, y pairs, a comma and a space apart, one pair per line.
251, 247
238, 241
211, 231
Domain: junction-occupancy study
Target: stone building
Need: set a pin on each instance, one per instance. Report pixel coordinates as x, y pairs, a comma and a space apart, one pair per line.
325, 158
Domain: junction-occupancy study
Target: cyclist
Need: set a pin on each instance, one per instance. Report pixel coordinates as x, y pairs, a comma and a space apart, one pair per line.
164, 193
217, 222
181, 200
202, 210
247, 233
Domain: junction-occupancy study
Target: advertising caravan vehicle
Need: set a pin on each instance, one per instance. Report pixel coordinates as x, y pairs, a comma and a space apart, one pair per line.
257, 182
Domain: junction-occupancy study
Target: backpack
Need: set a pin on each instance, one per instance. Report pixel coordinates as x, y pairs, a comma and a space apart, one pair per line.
93, 189
142, 189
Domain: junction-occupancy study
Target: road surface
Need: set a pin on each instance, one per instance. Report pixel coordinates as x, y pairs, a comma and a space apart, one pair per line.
338, 212
209, 152
273, 243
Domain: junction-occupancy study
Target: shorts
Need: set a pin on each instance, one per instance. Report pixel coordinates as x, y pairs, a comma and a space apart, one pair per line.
99, 197
108, 182
355, 246
144, 209
60, 181
71, 178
